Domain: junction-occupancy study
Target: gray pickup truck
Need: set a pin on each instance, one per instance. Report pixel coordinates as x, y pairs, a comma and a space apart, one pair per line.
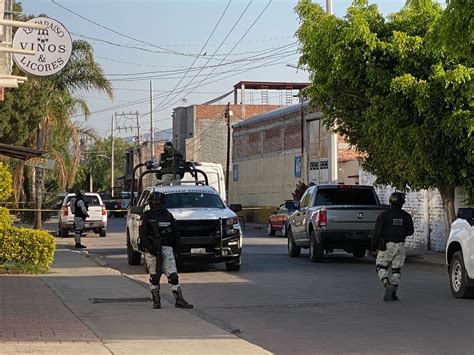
334, 217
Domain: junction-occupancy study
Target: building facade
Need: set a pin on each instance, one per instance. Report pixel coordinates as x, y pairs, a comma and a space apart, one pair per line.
276, 150
200, 131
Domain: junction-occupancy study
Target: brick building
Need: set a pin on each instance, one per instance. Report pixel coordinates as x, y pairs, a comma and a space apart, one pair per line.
270, 156
200, 131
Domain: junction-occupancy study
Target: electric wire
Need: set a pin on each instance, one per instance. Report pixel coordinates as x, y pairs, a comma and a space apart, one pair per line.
164, 102
238, 42
202, 49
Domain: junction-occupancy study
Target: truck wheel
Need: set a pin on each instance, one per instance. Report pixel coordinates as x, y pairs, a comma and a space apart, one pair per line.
234, 266
133, 257
102, 232
316, 251
457, 277
294, 251
359, 254
270, 230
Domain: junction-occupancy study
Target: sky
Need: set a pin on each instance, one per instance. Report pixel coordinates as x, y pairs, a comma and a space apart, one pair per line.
160, 41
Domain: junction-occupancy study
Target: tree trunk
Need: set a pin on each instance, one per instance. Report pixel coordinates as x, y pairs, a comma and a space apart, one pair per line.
447, 196
38, 183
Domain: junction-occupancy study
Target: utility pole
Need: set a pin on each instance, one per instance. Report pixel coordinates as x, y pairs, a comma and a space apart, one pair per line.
112, 157
152, 133
333, 137
138, 139
227, 115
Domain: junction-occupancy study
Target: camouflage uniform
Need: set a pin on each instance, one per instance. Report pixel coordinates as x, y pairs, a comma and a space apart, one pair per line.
391, 229
157, 239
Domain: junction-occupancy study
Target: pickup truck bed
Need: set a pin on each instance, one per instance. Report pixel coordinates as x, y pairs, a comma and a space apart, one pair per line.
334, 217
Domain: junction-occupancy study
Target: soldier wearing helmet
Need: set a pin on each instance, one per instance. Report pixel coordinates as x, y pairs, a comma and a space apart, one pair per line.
391, 229
157, 238
79, 208
172, 164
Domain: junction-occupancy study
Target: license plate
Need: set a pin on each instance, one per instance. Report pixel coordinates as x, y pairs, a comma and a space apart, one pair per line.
198, 250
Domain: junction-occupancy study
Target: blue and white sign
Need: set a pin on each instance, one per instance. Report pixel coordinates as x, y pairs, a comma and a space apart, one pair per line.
235, 172
298, 166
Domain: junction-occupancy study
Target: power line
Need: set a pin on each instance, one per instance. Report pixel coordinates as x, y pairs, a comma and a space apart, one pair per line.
217, 49
202, 49
169, 77
268, 64
238, 42
117, 32
236, 61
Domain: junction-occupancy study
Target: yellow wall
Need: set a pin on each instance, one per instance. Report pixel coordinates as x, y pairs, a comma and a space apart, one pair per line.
265, 181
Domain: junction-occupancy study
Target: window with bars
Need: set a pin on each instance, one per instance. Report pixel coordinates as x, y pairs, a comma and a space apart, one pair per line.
314, 165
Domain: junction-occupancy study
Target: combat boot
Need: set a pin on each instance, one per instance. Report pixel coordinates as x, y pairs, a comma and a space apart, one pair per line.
394, 292
180, 301
156, 298
389, 290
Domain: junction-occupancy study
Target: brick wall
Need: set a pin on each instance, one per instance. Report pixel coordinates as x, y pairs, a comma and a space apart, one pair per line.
206, 112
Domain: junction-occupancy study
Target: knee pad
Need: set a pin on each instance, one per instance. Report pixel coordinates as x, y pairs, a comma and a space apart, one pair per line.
381, 267
173, 279
396, 271
154, 279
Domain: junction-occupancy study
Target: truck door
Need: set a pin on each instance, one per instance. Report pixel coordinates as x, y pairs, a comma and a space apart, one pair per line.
300, 217
134, 221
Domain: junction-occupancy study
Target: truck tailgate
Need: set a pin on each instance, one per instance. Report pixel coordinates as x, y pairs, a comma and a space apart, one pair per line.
350, 217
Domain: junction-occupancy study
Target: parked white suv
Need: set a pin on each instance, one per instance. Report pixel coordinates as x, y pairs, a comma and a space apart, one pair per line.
460, 254
97, 220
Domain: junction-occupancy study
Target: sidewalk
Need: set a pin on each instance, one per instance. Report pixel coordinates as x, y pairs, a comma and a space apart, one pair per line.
55, 314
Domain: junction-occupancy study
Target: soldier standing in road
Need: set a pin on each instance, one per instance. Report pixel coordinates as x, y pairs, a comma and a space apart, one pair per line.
172, 164
80, 214
391, 229
157, 239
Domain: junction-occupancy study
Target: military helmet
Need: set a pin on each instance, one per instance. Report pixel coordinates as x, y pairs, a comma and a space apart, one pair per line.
397, 198
168, 146
156, 197
79, 193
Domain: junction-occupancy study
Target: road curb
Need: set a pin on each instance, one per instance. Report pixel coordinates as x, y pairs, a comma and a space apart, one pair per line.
419, 260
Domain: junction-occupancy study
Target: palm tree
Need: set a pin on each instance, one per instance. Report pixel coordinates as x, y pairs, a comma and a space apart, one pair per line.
54, 131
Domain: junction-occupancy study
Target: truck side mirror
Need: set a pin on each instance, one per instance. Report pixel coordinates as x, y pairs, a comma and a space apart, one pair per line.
235, 208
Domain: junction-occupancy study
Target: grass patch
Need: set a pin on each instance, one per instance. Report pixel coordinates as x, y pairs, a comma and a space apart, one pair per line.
16, 267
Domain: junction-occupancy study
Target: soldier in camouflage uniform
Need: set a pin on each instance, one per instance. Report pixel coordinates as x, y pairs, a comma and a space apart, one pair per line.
157, 239
391, 229
172, 165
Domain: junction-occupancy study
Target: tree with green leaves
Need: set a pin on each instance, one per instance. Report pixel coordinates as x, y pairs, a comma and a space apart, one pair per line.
400, 99
98, 164
38, 115
455, 30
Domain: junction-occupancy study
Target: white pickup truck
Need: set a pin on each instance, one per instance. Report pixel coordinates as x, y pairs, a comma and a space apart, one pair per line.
208, 230
460, 254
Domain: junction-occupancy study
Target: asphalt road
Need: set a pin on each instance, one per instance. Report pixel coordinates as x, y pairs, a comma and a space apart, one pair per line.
290, 305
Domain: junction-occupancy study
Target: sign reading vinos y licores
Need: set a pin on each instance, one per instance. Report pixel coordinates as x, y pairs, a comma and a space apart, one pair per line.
53, 47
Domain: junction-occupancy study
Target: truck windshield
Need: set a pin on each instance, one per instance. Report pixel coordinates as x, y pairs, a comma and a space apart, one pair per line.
345, 196
193, 200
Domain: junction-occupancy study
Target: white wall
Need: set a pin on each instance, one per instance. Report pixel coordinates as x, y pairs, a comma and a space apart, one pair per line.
426, 209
